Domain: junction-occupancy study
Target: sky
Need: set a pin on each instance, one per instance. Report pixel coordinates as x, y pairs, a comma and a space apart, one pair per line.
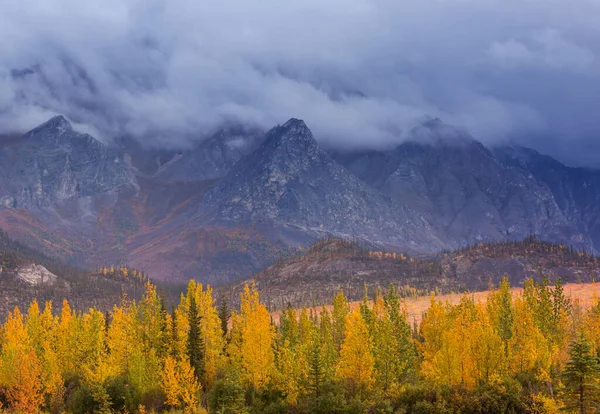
361, 73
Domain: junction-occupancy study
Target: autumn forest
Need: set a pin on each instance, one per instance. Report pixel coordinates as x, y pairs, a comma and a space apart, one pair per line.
537, 352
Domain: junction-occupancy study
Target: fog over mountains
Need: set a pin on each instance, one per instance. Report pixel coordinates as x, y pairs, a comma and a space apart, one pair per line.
243, 198
361, 73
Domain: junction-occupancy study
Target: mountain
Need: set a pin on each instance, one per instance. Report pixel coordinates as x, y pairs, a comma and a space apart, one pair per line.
213, 157
53, 163
242, 200
575, 190
333, 264
465, 190
292, 188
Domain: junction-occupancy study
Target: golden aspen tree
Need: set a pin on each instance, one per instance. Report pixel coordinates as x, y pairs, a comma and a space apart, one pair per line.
591, 326
288, 375
20, 372
528, 348
178, 341
66, 339
41, 328
179, 383
439, 359
488, 348
212, 334
500, 309
257, 335
357, 365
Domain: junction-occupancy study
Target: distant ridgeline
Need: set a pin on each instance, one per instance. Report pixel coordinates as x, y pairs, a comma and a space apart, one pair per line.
333, 264
27, 274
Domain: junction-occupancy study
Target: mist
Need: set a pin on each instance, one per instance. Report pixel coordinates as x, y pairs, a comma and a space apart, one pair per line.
361, 73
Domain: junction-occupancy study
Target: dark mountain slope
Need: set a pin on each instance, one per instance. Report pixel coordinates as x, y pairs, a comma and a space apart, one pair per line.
53, 163
213, 158
464, 190
292, 187
575, 190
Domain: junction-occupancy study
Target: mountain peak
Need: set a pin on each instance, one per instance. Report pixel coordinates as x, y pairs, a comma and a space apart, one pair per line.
434, 123
294, 135
296, 124
57, 124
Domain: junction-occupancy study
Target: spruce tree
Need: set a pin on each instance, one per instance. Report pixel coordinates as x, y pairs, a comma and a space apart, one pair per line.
316, 372
195, 343
581, 377
174, 335
224, 315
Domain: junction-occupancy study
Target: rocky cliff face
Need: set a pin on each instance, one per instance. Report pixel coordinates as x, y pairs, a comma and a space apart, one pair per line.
53, 163
465, 190
289, 182
213, 158
576, 191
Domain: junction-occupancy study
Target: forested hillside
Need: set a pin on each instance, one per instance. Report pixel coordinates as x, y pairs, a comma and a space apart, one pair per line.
537, 353
26, 274
333, 264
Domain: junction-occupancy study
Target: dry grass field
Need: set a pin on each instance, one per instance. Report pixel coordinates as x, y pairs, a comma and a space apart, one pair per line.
584, 294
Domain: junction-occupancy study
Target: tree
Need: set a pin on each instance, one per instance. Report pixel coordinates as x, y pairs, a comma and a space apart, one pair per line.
501, 311
339, 315
581, 376
195, 343
20, 372
357, 365
224, 315
257, 338
179, 383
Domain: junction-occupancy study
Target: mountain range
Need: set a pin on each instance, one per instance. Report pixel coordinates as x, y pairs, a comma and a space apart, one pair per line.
243, 199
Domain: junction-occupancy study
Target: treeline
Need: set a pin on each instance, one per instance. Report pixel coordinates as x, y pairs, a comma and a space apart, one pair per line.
537, 352
555, 254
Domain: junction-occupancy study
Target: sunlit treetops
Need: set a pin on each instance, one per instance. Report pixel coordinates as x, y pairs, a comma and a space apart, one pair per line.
535, 352
123, 272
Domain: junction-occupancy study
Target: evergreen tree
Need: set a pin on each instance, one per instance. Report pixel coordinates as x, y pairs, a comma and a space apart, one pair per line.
581, 376
195, 343
339, 315
174, 333
224, 315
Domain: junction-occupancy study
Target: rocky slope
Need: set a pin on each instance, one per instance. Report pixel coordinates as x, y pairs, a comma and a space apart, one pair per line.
291, 186
242, 200
53, 163
213, 157
465, 190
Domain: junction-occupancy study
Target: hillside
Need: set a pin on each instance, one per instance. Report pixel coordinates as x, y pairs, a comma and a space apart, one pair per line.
334, 264
26, 274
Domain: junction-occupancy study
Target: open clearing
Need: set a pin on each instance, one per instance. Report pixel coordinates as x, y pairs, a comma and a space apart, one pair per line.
584, 294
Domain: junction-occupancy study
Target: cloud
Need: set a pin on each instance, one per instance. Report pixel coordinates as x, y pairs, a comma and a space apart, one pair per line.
546, 49
359, 72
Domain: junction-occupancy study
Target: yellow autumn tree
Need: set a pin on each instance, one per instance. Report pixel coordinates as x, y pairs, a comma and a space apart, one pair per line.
257, 339
179, 383
357, 364
212, 335
20, 372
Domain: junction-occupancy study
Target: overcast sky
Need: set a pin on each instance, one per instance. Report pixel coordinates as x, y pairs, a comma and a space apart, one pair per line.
359, 72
